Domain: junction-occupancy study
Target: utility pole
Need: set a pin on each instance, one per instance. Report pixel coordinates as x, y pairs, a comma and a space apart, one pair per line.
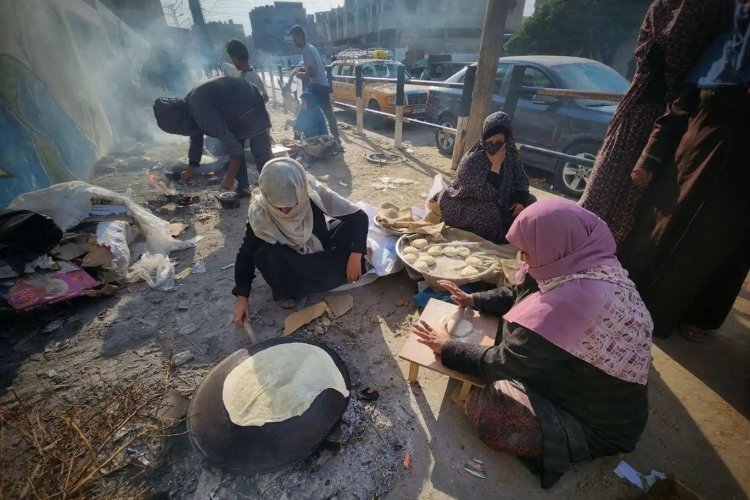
490, 49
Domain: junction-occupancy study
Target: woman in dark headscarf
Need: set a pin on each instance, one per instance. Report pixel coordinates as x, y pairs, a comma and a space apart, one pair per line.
567, 380
673, 36
688, 251
491, 187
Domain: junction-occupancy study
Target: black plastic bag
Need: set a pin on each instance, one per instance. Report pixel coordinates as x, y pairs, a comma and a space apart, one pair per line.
24, 236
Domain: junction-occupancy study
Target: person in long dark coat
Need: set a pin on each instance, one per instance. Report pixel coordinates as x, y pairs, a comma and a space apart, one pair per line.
672, 38
491, 186
567, 380
689, 250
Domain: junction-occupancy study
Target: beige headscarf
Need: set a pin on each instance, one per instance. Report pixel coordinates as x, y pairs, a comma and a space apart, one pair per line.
284, 183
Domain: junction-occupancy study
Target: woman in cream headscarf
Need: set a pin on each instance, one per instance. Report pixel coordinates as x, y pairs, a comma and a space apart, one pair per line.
290, 242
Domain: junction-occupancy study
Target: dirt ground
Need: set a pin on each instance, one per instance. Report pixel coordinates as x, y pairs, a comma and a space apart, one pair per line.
698, 429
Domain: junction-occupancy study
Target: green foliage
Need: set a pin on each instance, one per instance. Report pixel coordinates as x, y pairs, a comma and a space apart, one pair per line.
585, 28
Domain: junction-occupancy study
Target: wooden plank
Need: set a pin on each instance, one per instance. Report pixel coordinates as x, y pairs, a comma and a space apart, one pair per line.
485, 328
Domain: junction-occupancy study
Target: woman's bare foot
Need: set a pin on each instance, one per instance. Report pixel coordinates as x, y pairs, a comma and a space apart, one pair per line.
287, 304
691, 332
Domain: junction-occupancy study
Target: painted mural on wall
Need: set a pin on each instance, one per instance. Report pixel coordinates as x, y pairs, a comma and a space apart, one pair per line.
53, 126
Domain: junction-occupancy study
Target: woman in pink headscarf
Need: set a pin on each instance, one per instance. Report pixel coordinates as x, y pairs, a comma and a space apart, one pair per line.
566, 380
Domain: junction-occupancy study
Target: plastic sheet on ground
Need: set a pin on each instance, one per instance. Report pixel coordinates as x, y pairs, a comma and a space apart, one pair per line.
69, 203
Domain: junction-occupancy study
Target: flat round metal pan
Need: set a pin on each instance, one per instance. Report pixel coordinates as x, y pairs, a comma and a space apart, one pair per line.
248, 450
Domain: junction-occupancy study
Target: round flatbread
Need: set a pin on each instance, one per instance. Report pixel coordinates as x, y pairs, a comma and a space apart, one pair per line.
410, 249
411, 258
473, 261
463, 252
279, 383
419, 243
469, 271
435, 251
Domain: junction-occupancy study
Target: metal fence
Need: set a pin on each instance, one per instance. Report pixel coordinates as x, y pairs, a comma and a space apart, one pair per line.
515, 90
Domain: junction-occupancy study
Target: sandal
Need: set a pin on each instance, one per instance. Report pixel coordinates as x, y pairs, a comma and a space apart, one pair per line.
691, 333
287, 304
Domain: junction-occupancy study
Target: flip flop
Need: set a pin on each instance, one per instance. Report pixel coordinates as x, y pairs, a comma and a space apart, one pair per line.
691, 333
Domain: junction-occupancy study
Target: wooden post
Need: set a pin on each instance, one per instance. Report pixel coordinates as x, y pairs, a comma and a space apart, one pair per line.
360, 104
400, 77
281, 78
490, 49
413, 372
463, 116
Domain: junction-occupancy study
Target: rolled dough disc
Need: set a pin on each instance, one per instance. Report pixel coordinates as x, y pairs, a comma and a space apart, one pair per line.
411, 258
419, 244
463, 252
410, 249
428, 259
463, 328
435, 251
473, 261
279, 383
421, 266
449, 251
469, 271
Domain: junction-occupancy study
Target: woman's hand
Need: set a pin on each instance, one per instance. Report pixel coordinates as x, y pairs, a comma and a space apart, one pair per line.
434, 339
241, 311
458, 296
354, 267
497, 160
641, 177
516, 209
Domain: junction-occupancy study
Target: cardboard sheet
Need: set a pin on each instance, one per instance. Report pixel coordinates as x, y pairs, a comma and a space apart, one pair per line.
339, 304
301, 318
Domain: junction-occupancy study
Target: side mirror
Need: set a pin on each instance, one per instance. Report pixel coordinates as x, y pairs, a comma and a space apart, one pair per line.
545, 100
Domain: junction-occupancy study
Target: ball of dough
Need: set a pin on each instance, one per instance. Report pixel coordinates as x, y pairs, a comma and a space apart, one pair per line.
421, 266
473, 261
420, 243
463, 252
428, 259
469, 271
435, 251
449, 251
411, 258
410, 249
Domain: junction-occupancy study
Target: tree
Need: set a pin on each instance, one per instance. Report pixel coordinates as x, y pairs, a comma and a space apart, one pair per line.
585, 28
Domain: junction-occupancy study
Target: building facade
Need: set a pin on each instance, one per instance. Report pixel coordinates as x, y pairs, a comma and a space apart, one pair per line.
414, 26
271, 24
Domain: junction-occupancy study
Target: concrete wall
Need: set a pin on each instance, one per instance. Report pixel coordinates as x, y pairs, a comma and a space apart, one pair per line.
59, 63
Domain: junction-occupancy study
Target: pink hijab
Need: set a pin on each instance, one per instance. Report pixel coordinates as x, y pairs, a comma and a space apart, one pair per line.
586, 305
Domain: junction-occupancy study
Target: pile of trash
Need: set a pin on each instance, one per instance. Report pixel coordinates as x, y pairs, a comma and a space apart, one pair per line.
74, 239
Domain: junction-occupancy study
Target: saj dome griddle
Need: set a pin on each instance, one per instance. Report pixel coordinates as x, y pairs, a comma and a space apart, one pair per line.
251, 449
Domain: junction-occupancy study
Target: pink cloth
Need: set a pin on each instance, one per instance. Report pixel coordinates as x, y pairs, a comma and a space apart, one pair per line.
586, 305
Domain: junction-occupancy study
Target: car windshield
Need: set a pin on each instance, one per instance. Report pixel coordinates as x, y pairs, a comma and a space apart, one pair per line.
588, 76
383, 70
594, 77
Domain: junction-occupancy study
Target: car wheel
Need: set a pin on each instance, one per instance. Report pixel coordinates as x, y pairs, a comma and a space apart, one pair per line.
443, 140
572, 178
374, 121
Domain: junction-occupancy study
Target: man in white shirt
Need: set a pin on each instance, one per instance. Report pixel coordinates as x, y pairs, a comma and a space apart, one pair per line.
238, 54
314, 71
